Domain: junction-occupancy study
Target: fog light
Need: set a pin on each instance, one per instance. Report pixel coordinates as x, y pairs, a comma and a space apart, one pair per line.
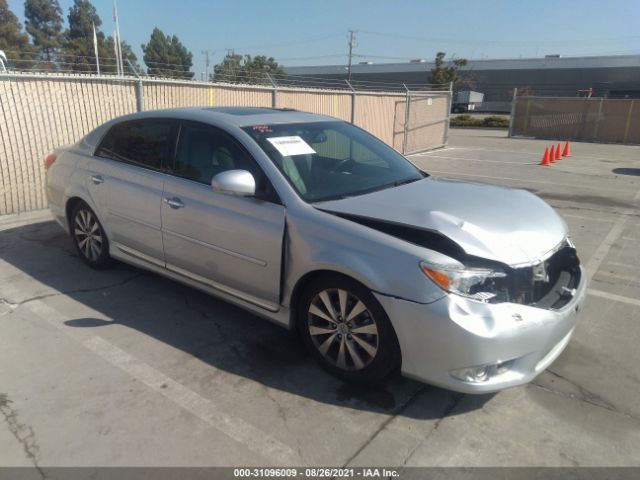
482, 373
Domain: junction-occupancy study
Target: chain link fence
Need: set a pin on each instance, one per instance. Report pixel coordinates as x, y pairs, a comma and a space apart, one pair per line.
40, 112
581, 119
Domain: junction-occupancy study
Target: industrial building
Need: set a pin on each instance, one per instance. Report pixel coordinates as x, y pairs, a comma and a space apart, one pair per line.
598, 76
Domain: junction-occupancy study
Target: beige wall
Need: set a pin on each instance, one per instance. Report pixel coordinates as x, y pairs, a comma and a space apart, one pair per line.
42, 112
584, 119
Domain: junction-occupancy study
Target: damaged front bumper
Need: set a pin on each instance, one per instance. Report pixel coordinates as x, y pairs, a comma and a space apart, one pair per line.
474, 347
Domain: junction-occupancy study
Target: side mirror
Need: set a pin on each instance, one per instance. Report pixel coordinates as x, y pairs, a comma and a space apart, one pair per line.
235, 182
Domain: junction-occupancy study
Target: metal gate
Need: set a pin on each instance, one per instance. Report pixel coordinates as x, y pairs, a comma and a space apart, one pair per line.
426, 121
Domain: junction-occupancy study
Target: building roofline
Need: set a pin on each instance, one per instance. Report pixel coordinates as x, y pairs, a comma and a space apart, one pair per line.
600, 61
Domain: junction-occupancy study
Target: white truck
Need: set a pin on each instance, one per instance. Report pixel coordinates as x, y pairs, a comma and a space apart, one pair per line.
466, 101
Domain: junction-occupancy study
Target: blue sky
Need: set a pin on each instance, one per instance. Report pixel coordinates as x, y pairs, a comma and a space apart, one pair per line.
313, 32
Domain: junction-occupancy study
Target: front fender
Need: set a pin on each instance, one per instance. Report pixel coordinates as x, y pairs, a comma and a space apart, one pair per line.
384, 264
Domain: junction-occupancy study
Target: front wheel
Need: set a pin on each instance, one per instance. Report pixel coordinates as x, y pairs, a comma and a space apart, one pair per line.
347, 331
89, 237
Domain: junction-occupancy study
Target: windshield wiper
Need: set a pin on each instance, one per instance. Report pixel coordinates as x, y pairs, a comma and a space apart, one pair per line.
405, 181
333, 197
368, 190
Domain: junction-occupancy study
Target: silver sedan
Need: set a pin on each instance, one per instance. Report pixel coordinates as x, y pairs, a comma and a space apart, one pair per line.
314, 224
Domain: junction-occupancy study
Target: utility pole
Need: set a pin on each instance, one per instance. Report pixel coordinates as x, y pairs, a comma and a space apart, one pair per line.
206, 62
352, 44
231, 52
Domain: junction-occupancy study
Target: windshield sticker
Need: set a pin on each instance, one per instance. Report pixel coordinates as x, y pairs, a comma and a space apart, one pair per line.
288, 146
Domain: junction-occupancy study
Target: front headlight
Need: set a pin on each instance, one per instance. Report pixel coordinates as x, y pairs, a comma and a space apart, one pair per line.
476, 283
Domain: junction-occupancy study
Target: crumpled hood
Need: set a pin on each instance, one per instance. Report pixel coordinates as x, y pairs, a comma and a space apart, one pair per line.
498, 223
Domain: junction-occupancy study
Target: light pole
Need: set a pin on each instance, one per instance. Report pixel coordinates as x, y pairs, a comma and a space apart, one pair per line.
352, 44
206, 53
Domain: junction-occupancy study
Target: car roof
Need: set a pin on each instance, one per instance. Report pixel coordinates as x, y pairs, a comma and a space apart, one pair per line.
238, 116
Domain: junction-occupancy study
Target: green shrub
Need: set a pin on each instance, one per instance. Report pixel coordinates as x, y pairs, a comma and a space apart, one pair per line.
492, 121
495, 122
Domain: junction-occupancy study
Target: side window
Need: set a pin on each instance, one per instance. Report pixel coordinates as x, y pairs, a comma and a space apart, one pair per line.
204, 151
146, 143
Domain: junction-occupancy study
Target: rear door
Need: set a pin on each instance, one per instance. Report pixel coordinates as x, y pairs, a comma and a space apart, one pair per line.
136, 155
229, 242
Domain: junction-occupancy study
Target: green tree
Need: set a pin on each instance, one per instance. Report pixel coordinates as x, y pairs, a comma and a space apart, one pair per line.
82, 16
78, 42
78, 48
229, 69
107, 51
13, 41
44, 24
166, 56
236, 68
442, 74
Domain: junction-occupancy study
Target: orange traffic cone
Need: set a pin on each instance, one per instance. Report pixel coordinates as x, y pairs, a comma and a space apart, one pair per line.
545, 158
558, 154
567, 149
552, 154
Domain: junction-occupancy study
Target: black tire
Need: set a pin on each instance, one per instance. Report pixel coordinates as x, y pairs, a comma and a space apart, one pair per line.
358, 364
89, 237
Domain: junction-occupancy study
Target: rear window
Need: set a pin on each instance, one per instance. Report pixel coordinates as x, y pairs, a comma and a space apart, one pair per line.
146, 143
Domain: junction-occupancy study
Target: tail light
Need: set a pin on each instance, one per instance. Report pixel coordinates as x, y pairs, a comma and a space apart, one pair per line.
48, 161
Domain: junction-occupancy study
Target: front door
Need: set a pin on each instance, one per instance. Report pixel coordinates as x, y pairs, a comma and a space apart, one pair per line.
229, 242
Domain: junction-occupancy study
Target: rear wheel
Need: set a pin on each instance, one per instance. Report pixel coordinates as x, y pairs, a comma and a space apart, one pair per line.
347, 331
89, 237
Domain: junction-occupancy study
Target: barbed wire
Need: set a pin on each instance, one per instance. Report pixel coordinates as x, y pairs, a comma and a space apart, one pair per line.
82, 64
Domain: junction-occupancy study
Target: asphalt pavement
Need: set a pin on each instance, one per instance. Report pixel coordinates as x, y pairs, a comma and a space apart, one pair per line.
125, 368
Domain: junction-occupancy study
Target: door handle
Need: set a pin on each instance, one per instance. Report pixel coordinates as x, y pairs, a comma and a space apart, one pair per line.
97, 179
174, 202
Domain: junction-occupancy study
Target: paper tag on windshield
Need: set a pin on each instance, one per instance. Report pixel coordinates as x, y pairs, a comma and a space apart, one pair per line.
288, 146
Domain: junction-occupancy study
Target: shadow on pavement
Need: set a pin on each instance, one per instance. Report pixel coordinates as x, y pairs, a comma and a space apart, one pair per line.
627, 171
219, 334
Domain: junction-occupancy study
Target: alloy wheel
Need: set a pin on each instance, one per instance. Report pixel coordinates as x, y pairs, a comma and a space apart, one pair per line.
342, 329
88, 234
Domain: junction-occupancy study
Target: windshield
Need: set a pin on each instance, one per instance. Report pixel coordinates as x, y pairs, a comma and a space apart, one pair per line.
329, 160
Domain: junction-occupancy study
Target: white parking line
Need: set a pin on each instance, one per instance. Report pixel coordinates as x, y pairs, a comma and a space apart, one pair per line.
582, 217
482, 160
528, 180
624, 265
437, 150
596, 259
246, 434
585, 155
601, 252
626, 278
613, 296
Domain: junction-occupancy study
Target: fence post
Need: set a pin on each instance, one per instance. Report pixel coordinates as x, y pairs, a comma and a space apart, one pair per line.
274, 92
596, 126
628, 122
140, 95
513, 111
139, 88
407, 107
353, 102
448, 114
